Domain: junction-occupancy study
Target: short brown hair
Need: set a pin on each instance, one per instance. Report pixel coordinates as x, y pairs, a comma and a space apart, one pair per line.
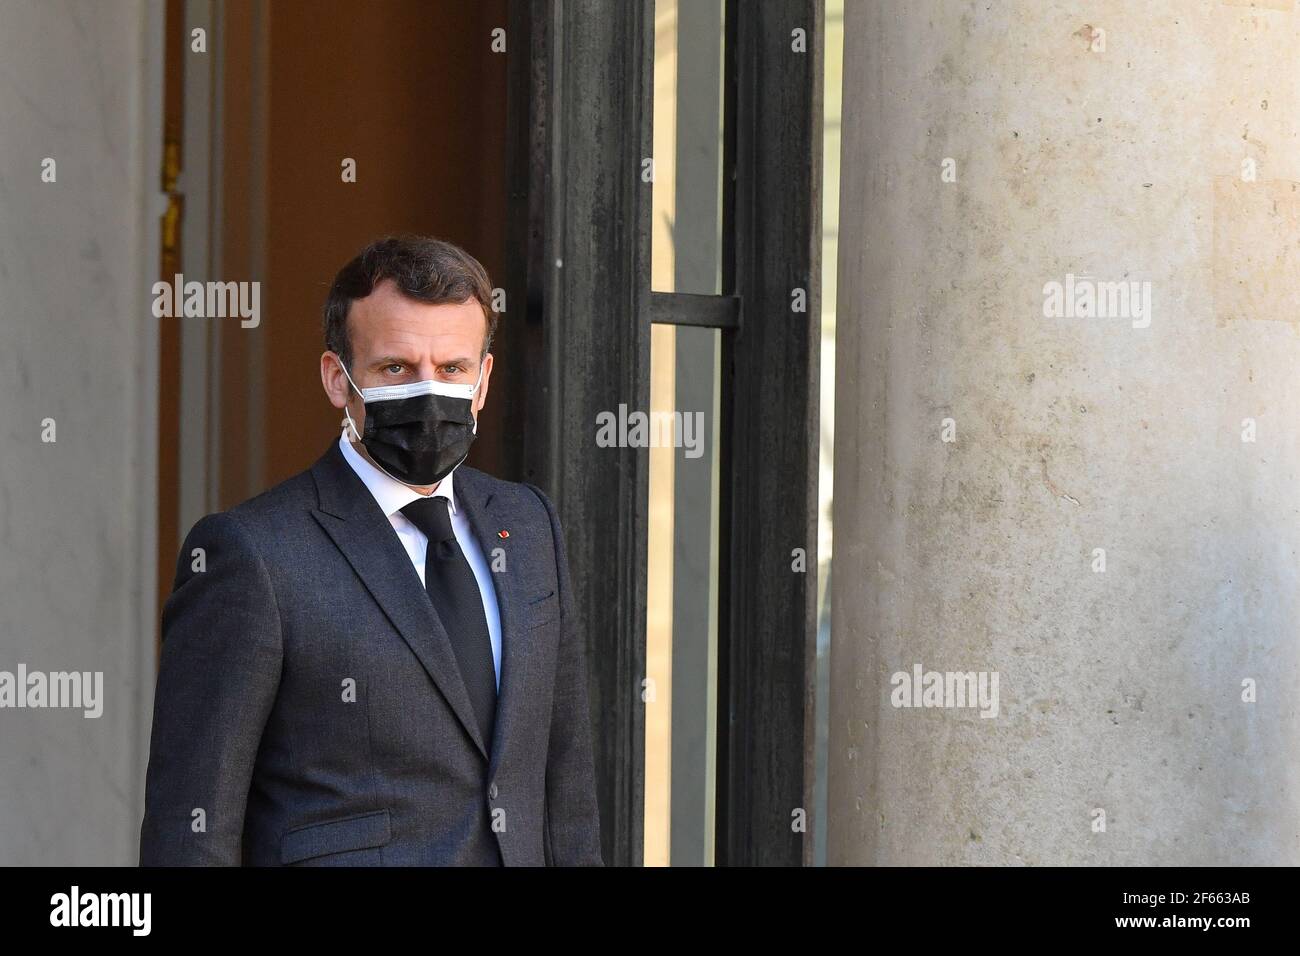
423, 268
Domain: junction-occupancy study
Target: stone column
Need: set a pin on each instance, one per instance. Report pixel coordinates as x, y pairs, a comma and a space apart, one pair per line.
1097, 503
80, 160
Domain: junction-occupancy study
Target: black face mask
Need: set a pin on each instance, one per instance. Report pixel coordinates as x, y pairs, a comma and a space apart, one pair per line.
418, 432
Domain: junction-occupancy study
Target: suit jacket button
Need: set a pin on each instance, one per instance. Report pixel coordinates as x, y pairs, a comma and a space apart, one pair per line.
492, 790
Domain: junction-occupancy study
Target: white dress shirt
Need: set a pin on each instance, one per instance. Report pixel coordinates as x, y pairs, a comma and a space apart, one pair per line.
392, 496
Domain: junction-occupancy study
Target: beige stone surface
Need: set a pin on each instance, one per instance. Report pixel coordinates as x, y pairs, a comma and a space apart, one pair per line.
1103, 140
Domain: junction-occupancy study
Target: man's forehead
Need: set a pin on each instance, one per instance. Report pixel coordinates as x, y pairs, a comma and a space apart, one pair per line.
421, 328
397, 319
386, 302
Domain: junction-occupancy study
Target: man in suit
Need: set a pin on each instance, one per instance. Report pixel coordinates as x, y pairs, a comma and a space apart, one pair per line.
376, 662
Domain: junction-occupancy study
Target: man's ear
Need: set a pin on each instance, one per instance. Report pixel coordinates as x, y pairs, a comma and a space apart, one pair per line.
481, 397
333, 380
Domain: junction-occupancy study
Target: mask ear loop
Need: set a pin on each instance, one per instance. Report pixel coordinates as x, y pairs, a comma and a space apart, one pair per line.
347, 414
474, 395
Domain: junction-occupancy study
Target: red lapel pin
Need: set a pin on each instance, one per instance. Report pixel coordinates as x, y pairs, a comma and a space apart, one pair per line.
503, 534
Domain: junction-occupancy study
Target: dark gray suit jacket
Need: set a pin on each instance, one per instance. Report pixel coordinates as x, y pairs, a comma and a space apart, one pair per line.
310, 710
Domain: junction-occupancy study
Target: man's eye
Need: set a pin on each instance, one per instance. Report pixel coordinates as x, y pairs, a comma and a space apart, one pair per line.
394, 368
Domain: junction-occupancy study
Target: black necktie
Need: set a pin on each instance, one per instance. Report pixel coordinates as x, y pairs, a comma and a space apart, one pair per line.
453, 589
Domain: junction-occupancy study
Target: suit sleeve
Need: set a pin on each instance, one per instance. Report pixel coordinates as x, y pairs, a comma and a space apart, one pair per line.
218, 676
572, 814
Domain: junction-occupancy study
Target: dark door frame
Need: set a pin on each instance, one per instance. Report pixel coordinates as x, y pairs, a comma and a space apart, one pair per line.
579, 258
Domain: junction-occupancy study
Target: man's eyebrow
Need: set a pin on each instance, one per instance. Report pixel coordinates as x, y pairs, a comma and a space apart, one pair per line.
391, 360
465, 363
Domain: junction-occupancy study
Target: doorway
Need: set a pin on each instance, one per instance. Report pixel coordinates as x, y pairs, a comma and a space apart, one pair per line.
523, 130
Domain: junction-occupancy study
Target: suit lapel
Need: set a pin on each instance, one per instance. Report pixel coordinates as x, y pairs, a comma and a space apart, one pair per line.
478, 502
358, 527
